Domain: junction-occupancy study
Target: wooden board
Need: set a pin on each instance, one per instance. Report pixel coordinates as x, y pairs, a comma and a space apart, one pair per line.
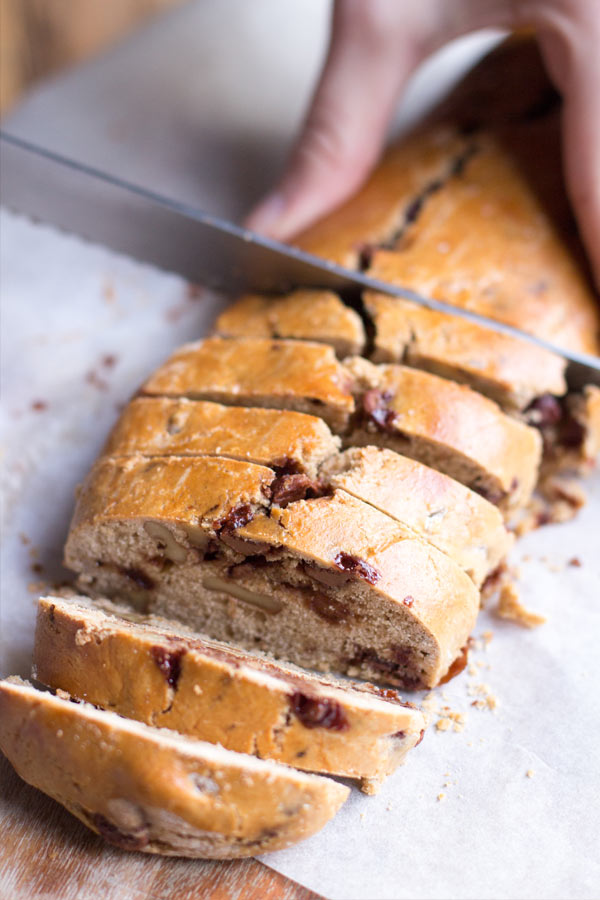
46, 853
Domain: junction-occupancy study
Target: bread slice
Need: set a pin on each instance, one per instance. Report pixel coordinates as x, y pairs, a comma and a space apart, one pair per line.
154, 671
509, 371
227, 548
447, 426
311, 315
154, 790
164, 426
301, 376
456, 520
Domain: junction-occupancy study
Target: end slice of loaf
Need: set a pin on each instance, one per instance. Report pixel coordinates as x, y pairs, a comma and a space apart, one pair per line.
165, 426
328, 582
154, 790
310, 315
154, 671
456, 520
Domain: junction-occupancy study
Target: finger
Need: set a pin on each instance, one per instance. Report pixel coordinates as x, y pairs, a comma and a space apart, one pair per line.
570, 50
370, 57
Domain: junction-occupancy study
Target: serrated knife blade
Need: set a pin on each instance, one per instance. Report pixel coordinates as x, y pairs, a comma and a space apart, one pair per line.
203, 248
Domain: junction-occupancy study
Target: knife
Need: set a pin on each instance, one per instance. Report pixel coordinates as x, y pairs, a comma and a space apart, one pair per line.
201, 247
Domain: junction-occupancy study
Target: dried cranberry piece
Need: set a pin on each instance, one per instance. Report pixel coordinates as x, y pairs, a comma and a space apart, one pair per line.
235, 518
571, 432
375, 406
543, 411
134, 840
169, 663
399, 734
289, 488
138, 577
285, 465
316, 712
421, 736
346, 562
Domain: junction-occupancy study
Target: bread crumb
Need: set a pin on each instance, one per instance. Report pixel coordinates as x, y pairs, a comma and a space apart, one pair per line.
441, 797
197, 689
510, 607
444, 724
575, 561
530, 773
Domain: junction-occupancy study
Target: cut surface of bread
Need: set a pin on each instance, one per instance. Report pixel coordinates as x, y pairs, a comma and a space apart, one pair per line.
456, 520
329, 582
165, 426
310, 315
296, 375
153, 670
154, 790
509, 371
447, 426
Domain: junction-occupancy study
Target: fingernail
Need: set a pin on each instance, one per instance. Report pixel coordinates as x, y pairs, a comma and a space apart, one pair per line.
265, 216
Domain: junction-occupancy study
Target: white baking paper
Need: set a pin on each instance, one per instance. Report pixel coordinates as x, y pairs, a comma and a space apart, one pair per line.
509, 806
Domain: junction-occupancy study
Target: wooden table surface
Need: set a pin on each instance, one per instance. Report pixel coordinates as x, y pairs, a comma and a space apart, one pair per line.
46, 853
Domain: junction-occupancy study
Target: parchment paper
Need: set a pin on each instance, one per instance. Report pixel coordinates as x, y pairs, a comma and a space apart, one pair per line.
506, 807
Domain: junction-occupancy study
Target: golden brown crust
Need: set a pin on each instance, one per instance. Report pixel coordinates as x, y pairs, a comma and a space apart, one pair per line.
382, 206
152, 671
164, 426
486, 222
153, 790
449, 426
444, 512
293, 375
509, 371
304, 314
523, 275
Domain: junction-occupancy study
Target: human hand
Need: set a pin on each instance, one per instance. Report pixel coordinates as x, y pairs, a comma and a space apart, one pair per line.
375, 45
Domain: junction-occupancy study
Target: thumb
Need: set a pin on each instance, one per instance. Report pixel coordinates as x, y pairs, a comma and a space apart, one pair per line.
369, 59
575, 67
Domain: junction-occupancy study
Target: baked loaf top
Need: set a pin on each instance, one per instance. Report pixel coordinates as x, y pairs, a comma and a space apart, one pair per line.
161, 674
258, 372
312, 315
511, 372
461, 432
151, 789
165, 426
472, 208
456, 520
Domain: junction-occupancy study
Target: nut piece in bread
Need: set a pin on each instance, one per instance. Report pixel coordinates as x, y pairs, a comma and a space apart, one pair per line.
456, 520
165, 426
310, 315
154, 671
154, 790
327, 582
447, 426
296, 375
